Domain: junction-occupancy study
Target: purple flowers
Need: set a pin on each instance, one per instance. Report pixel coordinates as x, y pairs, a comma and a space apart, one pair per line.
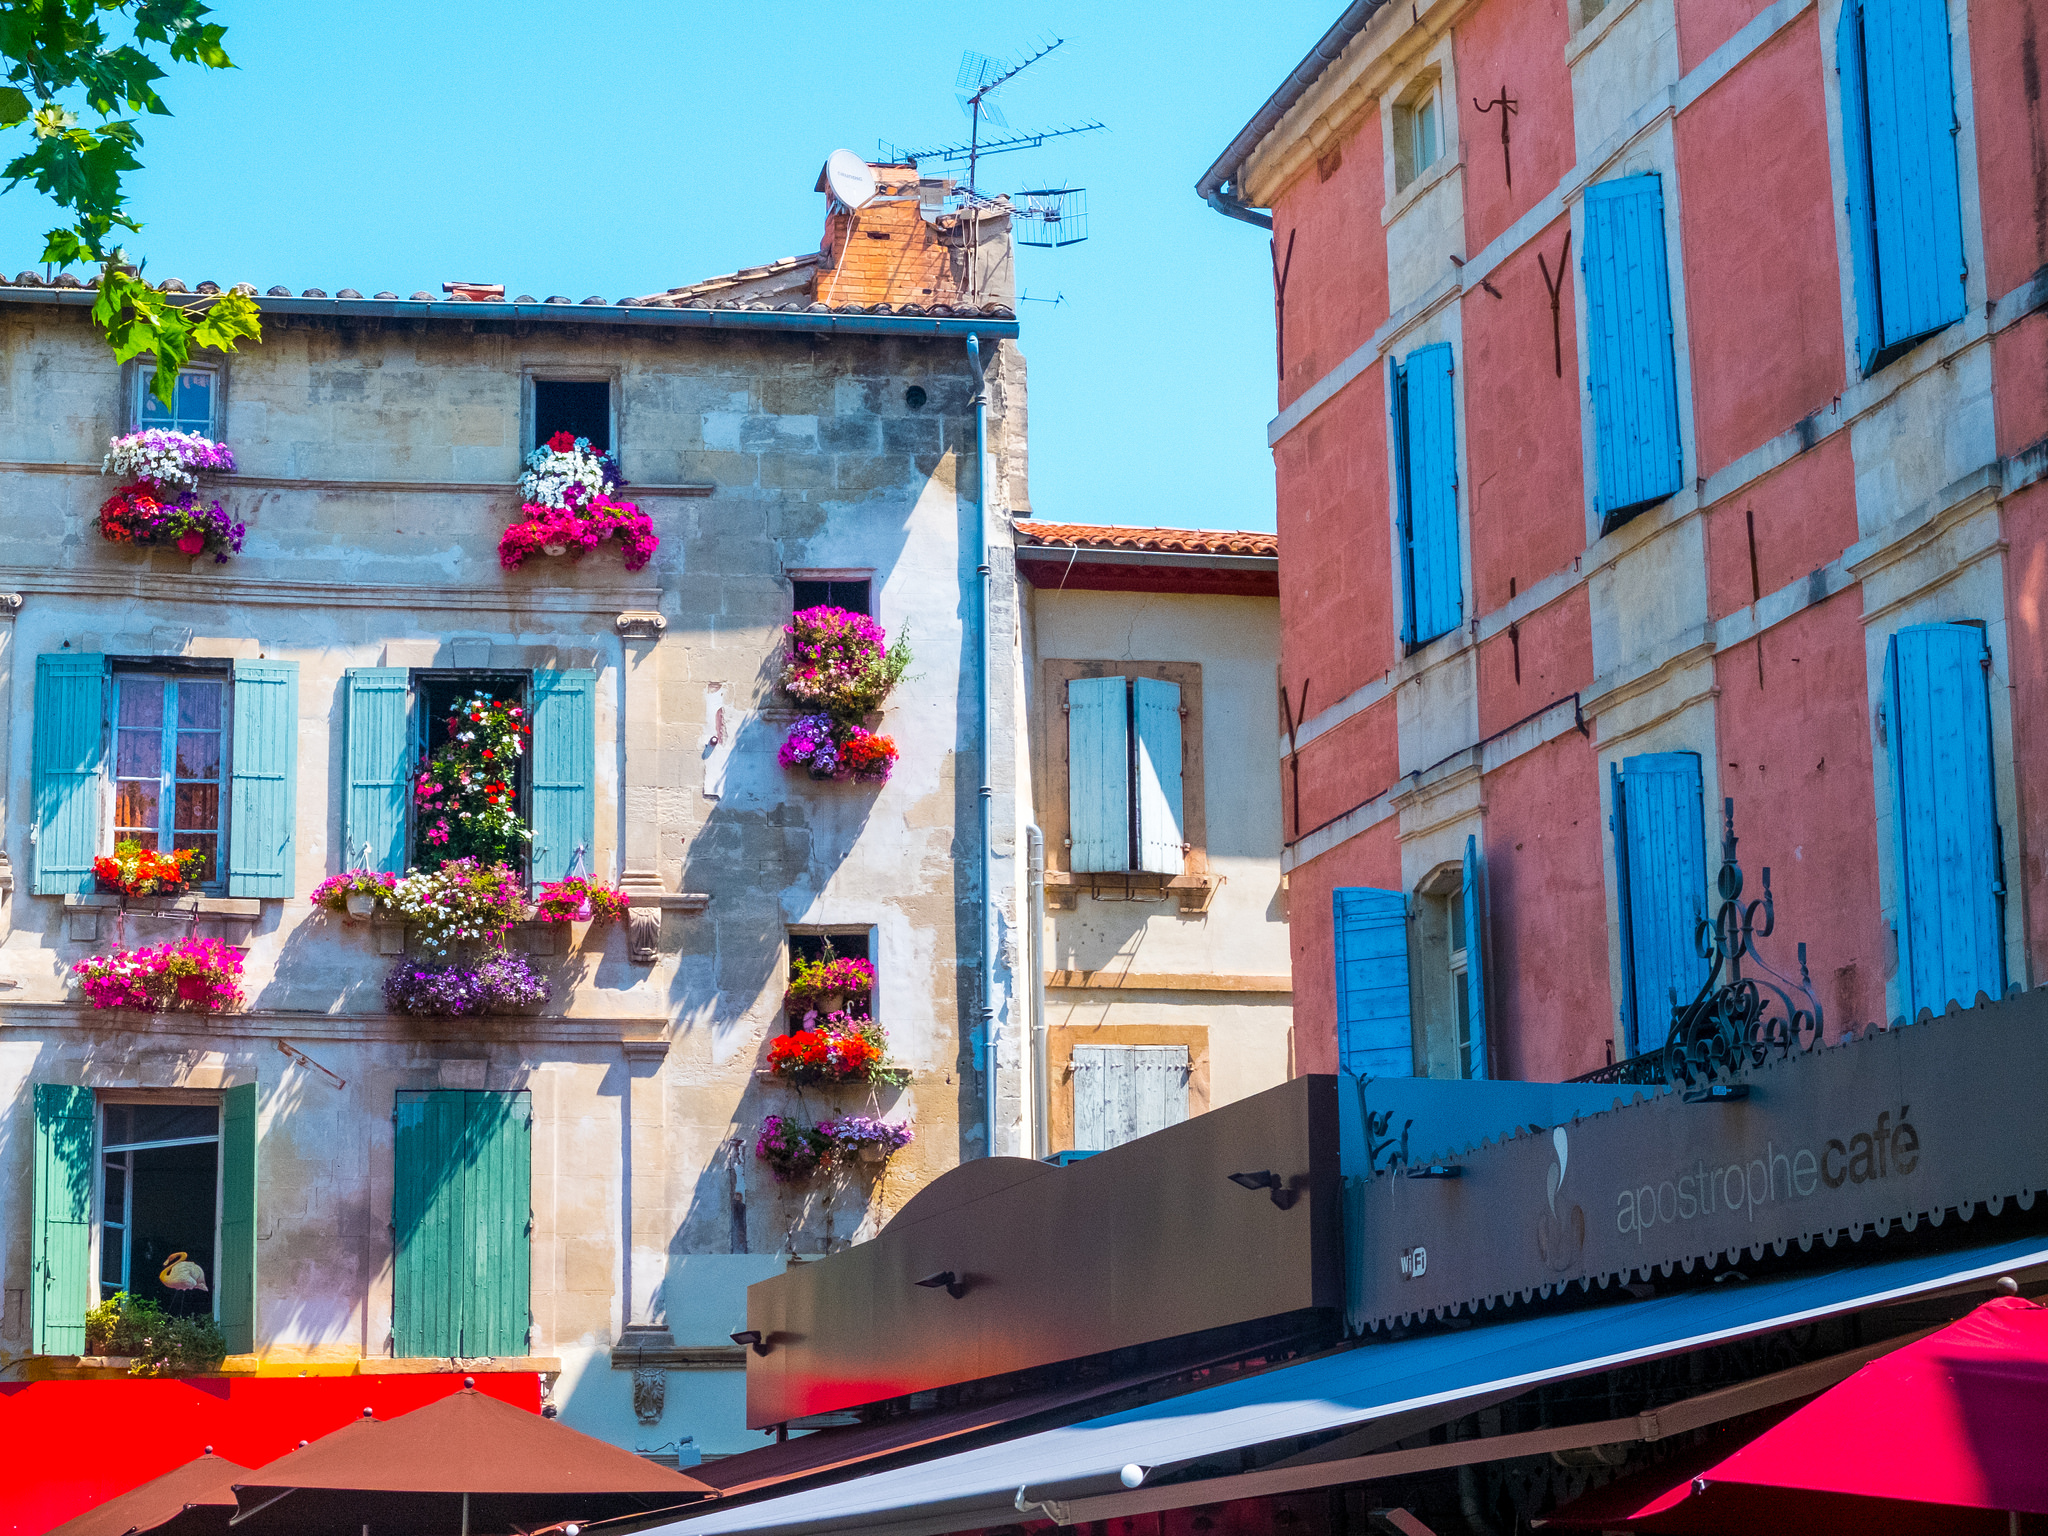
503, 981
854, 1133
810, 744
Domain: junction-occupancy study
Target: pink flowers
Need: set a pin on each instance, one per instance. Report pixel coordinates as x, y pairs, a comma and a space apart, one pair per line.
191, 976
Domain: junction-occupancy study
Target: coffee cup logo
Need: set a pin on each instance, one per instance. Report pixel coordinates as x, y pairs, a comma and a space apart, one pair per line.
1560, 1235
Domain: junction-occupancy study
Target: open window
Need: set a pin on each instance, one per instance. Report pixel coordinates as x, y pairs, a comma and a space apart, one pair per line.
195, 403
1448, 967
580, 407
821, 946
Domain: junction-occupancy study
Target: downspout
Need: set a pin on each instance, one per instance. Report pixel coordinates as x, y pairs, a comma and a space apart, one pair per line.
1231, 208
1041, 1082
984, 718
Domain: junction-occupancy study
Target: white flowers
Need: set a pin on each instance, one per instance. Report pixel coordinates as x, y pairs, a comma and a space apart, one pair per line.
172, 461
563, 478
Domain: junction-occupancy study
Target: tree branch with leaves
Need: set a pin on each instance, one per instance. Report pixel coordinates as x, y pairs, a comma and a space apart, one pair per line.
58, 58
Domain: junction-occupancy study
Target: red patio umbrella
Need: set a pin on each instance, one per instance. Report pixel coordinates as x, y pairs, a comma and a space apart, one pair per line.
199, 1496
1948, 1434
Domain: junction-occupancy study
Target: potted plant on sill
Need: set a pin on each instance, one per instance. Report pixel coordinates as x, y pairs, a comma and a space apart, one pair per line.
833, 1048
358, 894
134, 870
827, 984
161, 504
567, 507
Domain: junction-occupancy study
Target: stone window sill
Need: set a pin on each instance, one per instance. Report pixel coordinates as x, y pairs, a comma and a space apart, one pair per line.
91, 919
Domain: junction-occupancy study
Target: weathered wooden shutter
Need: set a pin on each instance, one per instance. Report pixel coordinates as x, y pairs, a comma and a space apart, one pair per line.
60, 1237
1853, 95
1375, 1032
462, 1216
1155, 709
1916, 202
1661, 868
1633, 381
1122, 1092
1098, 775
1950, 922
1435, 582
237, 1268
263, 800
70, 733
379, 760
564, 770
1474, 898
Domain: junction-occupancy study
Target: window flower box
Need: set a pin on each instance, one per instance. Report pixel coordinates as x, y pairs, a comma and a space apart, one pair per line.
134, 870
502, 983
161, 506
191, 976
833, 1048
841, 670
567, 508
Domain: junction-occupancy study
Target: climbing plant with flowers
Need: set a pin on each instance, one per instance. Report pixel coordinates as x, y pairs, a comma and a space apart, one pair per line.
466, 799
567, 507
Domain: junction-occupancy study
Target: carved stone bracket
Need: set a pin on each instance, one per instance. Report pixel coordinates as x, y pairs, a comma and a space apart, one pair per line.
646, 902
640, 624
650, 1395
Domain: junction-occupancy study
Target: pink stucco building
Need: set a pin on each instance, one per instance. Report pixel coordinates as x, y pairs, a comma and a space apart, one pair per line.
1682, 446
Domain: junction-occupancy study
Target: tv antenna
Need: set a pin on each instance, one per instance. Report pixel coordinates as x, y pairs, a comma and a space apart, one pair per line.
978, 79
1052, 216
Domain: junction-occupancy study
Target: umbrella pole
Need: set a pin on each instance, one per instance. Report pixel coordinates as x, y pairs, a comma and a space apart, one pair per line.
465, 1515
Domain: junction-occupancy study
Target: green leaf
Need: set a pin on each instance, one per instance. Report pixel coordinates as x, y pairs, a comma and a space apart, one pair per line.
231, 318
14, 106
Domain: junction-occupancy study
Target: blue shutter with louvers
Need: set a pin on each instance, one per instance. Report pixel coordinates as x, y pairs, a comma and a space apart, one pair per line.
1375, 1035
1633, 382
1916, 202
1098, 775
1855, 104
1155, 710
564, 770
1474, 898
70, 731
1430, 461
264, 798
379, 757
1404, 516
60, 1229
1660, 847
1950, 923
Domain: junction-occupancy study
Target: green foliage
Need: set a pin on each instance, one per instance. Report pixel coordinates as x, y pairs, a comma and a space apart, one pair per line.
160, 1344
53, 47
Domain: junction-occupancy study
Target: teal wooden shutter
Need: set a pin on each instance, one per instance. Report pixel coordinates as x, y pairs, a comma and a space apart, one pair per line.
237, 1269
1854, 99
1633, 380
379, 757
1098, 775
1404, 510
1474, 899
60, 1238
462, 1218
1434, 580
1661, 870
1155, 709
1951, 921
263, 800
1375, 1035
1916, 202
1122, 1092
70, 733
564, 812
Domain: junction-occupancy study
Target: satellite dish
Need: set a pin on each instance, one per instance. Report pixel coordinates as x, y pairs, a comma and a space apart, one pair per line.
851, 178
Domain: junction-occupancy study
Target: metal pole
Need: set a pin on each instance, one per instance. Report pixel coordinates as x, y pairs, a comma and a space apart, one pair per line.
1041, 1076
983, 718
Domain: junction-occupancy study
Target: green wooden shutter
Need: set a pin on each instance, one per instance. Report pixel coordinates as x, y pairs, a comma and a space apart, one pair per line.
379, 759
236, 1280
564, 771
60, 1240
264, 799
1098, 775
1474, 899
462, 1213
70, 733
1375, 1029
1155, 711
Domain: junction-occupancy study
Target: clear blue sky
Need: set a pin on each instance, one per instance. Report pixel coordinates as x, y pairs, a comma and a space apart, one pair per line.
616, 148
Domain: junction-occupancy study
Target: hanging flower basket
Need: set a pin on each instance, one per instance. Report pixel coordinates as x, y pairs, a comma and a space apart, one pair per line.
833, 749
356, 893
864, 1138
841, 669
791, 1149
830, 981
500, 984
567, 508
190, 976
577, 900
134, 870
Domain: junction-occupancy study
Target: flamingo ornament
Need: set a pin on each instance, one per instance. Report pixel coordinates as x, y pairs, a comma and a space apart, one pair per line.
181, 1274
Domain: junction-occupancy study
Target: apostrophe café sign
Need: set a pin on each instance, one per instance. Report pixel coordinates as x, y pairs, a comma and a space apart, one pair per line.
1926, 1123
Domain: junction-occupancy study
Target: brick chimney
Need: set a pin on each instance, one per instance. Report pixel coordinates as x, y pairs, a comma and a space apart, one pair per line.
914, 244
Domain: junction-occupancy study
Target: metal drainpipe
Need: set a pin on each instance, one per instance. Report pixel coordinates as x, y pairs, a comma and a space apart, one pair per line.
1041, 1084
987, 754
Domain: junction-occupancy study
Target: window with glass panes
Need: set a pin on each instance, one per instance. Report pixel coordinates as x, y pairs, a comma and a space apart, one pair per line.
168, 753
193, 403
159, 1204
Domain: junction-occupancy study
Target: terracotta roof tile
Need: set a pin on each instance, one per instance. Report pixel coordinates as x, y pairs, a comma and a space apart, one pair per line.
1180, 541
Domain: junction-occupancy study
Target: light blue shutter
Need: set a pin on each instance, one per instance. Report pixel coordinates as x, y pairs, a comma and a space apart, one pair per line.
1950, 923
1633, 382
69, 734
1916, 203
1098, 775
1660, 848
263, 803
1122, 1092
1156, 707
564, 770
1435, 582
1404, 513
379, 761
1375, 1035
1475, 956
1855, 104
60, 1238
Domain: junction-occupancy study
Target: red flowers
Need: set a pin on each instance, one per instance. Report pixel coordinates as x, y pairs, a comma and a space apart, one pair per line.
563, 442
828, 1056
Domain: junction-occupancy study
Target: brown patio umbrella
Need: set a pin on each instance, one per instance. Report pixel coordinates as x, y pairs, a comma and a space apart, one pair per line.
199, 1496
467, 1463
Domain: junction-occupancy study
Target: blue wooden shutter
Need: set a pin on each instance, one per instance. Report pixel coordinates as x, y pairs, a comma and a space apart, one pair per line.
1854, 98
60, 1237
236, 1277
70, 733
564, 814
1155, 709
1661, 864
1916, 203
1950, 923
1098, 775
1435, 582
462, 1215
263, 803
1404, 512
379, 759
1633, 380
1375, 1035
1475, 956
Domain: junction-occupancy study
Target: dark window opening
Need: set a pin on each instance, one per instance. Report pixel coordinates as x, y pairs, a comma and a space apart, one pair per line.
440, 695
159, 1171
578, 407
852, 595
